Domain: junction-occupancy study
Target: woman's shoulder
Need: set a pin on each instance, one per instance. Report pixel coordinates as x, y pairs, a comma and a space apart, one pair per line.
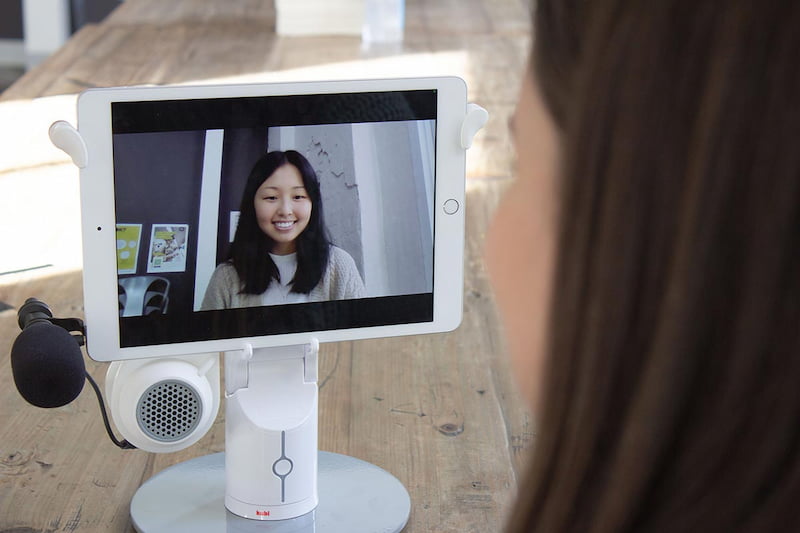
222, 287
343, 273
340, 255
225, 275
225, 270
340, 259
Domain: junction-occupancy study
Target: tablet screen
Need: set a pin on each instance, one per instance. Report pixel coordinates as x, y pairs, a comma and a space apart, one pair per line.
271, 215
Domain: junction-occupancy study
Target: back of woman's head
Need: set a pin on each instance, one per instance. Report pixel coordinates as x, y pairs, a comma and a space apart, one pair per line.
671, 398
251, 246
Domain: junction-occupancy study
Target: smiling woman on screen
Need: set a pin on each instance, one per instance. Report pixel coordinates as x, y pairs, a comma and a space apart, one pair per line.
281, 253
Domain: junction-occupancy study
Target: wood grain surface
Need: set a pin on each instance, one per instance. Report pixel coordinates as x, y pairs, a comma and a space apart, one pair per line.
440, 412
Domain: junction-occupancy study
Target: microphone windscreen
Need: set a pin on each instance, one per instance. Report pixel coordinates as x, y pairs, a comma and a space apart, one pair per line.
47, 365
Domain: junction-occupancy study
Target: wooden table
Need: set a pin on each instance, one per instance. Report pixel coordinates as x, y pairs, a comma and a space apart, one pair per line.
440, 412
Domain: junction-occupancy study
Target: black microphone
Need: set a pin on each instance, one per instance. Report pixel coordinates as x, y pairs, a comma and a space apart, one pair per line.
46, 361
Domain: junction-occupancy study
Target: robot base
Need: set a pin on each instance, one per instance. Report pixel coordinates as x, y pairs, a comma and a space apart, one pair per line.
354, 497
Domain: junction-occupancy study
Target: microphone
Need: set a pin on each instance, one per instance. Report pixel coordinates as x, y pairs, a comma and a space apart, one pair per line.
46, 361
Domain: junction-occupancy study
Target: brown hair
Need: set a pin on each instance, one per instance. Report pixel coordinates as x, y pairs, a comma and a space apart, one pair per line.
671, 390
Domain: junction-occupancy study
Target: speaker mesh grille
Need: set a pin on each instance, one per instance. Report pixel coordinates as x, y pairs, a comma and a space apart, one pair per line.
168, 411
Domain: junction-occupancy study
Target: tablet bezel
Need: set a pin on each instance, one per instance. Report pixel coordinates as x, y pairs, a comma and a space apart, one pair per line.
99, 222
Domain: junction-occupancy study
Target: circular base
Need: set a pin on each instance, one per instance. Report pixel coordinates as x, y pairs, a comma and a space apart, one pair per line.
354, 497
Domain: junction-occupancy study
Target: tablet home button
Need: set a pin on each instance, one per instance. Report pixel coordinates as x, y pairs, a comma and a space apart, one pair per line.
451, 206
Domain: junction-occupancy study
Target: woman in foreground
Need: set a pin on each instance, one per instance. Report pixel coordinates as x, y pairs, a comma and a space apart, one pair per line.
653, 306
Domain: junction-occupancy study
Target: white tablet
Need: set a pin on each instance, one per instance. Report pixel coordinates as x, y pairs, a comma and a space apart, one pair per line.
270, 214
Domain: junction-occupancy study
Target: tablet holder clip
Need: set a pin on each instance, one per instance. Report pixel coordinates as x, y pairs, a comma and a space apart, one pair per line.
64, 136
475, 118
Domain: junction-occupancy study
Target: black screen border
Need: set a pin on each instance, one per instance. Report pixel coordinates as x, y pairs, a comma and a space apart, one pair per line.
273, 320
283, 110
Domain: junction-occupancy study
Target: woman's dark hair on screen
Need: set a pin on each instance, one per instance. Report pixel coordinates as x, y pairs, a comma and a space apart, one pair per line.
251, 246
670, 399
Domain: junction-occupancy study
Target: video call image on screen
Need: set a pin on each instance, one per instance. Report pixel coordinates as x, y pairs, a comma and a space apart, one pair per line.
268, 215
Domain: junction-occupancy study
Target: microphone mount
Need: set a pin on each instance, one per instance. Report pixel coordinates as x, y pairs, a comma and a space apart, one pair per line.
74, 327
35, 310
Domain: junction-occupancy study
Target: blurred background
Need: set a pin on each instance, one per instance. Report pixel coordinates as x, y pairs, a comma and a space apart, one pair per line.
31, 30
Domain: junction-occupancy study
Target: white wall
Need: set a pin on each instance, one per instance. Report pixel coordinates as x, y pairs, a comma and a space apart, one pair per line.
395, 175
209, 205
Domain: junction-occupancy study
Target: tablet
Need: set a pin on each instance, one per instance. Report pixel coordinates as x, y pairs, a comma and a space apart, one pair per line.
219, 216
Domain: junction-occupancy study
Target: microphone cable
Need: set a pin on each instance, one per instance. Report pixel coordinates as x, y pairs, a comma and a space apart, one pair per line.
123, 444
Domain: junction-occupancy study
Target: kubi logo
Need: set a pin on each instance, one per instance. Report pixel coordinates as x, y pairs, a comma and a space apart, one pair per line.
262, 513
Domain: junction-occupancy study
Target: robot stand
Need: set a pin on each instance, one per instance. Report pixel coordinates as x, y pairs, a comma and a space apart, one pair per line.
271, 477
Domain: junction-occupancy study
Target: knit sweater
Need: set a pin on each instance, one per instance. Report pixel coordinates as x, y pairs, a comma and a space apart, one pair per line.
340, 281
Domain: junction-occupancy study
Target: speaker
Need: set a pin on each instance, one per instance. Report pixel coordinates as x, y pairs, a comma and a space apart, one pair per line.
167, 404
